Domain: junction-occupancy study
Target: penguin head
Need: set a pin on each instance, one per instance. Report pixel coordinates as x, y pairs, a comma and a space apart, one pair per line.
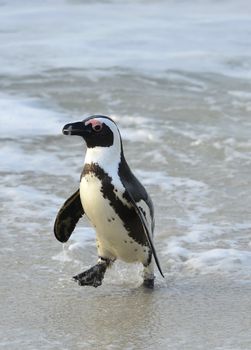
97, 131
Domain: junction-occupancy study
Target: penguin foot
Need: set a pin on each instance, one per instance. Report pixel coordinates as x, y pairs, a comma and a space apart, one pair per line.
92, 277
149, 283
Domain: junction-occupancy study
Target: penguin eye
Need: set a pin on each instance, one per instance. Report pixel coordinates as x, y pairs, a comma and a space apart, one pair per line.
97, 127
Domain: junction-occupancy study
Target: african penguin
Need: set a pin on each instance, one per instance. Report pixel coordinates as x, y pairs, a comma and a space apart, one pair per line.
115, 202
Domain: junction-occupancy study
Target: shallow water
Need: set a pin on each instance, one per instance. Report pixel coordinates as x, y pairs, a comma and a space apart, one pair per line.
176, 77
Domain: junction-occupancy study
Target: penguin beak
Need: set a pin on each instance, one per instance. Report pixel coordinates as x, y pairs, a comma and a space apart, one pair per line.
78, 128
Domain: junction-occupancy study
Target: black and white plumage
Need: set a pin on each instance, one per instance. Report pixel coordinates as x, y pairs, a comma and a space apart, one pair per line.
113, 199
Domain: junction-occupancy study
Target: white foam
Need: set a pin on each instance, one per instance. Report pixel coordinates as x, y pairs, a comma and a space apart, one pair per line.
202, 242
27, 117
220, 259
200, 251
136, 128
142, 135
22, 120
63, 256
15, 159
80, 237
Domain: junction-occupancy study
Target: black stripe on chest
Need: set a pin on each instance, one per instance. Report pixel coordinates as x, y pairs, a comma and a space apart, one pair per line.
128, 216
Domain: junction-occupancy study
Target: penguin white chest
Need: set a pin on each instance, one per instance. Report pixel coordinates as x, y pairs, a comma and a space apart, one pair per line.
112, 237
96, 206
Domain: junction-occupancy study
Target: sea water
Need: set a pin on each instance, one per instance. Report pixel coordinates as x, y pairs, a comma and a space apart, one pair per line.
175, 76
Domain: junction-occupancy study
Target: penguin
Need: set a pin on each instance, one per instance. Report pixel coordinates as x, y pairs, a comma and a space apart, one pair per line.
114, 201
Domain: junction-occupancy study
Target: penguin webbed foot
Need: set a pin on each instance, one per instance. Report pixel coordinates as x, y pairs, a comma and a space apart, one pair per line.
148, 283
93, 276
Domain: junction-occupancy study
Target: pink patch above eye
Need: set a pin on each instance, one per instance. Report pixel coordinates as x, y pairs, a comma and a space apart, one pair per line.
96, 124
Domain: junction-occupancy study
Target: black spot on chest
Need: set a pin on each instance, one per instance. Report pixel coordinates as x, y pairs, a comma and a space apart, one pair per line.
127, 214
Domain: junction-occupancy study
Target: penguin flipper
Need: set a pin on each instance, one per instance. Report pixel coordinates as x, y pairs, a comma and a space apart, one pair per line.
67, 217
147, 232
